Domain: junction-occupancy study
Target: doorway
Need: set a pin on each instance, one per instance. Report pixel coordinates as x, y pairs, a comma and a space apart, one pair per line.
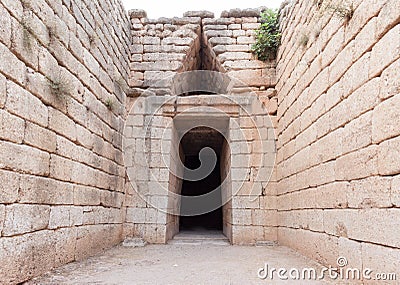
202, 145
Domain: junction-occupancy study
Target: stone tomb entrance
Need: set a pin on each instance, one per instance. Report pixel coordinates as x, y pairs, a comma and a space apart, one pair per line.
198, 141
200, 162
202, 171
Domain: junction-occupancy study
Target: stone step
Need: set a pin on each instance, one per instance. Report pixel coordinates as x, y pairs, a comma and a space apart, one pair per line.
199, 242
200, 238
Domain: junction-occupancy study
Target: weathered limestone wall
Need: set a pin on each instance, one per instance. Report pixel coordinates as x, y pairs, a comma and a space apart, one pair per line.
161, 48
165, 48
229, 39
338, 126
62, 75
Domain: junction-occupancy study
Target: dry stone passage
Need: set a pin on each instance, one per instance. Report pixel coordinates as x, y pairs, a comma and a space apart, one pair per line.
94, 101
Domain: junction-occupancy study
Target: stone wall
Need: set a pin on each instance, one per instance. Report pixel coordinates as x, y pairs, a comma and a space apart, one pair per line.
62, 99
164, 47
338, 125
67, 69
162, 51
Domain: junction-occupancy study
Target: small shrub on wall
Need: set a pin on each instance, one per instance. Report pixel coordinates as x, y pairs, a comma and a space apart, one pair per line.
268, 36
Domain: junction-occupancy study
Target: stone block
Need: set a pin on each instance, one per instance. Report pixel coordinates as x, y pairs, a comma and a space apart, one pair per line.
151, 40
380, 259
243, 64
65, 216
245, 40
348, 167
39, 137
240, 174
247, 235
23, 254
12, 128
372, 192
86, 196
137, 49
246, 202
14, 157
386, 120
251, 26
222, 41
202, 14
39, 190
357, 134
137, 13
3, 91
312, 244
24, 38
395, 191
94, 238
65, 240
242, 217
91, 63
388, 157
2, 217
5, 24
220, 21
355, 224
177, 41
61, 168
163, 56
218, 33
351, 250
214, 27
385, 51
238, 33
269, 202
10, 65
235, 56
20, 219
9, 186
62, 124
84, 137
24, 104
136, 215
156, 66
264, 217
235, 27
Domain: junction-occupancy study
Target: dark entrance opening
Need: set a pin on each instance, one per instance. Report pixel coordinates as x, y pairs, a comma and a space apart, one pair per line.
192, 143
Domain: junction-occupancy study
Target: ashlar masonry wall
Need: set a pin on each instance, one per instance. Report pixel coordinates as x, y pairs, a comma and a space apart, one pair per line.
162, 51
338, 133
63, 72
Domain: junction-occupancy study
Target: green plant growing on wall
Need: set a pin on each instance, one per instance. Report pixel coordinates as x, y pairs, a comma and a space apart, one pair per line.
93, 39
110, 103
27, 36
318, 3
52, 31
26, 4
60, 86
343, 12
304, 39
268, 36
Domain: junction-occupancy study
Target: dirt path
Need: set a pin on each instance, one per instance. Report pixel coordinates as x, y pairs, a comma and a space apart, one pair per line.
180, 264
